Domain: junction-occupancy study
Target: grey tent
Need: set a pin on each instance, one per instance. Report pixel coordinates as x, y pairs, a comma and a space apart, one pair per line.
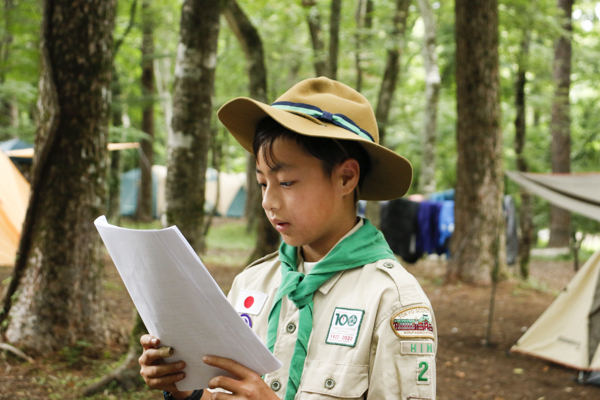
568, 332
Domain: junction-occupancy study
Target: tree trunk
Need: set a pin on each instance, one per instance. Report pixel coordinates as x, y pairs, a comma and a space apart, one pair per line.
560, 219
267, 238
334, 37
388, 88
392, 68
479, 180
313, 17
144, 199
363, 25
432, 94
526, 211
114, 177
6, 108
59, 267
192, 110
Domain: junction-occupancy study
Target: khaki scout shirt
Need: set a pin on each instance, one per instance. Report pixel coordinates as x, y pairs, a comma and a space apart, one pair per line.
373, 336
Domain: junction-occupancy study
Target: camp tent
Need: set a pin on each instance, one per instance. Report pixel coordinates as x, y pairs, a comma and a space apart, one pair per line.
14, 197
568, 332
232, 193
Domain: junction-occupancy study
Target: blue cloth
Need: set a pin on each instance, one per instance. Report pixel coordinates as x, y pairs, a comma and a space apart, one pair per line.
429, 227
446, 225
443, 195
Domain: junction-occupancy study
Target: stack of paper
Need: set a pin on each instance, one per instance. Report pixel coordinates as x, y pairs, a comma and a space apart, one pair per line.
181, 303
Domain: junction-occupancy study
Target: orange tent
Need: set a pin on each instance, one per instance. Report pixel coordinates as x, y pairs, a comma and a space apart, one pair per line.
14, 197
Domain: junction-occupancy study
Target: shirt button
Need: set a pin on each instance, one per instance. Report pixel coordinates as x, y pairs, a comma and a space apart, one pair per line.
291, 327
329, 383
275, 386
388, 265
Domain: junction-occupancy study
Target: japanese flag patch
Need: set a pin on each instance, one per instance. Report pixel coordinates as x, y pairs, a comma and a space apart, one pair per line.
250, 302
413, 323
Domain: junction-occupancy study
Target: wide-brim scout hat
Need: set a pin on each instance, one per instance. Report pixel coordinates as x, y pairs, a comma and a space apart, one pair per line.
322, 107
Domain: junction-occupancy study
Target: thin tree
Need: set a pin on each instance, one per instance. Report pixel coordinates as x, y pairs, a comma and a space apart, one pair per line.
267, 238
479, 178
388, 87
364, 23
192, 110
59, 268
6, 39
144, 198
334, 37
526, 210
432, 95
560, 125
313, 18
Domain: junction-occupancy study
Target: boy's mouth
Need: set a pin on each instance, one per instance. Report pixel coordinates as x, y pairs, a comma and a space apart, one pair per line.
280, 225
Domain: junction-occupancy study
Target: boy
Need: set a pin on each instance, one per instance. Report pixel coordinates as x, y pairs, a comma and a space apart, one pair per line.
334, 305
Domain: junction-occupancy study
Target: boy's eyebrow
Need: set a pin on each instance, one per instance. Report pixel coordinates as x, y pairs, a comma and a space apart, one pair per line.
276, 168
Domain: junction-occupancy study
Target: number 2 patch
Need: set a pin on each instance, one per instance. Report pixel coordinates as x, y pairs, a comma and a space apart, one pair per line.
423, 371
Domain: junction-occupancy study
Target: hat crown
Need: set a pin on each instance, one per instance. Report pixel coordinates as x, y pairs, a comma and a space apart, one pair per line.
335, 98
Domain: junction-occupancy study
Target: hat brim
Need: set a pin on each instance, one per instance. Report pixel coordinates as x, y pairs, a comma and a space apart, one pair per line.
390, 175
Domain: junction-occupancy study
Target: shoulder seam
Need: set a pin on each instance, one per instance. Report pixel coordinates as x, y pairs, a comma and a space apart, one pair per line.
263, 259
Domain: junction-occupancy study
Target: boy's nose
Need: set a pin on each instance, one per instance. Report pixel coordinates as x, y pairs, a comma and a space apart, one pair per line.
269, 201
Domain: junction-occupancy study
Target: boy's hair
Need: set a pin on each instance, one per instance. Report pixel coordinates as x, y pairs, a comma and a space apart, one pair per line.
330, 152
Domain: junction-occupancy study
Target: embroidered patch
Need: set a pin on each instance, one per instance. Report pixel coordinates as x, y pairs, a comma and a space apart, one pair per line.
413, 323
344, 327
417, 348
423, 371
247, 319
250, 302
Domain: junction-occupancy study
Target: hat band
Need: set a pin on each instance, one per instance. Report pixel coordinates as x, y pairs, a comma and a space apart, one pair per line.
337, 119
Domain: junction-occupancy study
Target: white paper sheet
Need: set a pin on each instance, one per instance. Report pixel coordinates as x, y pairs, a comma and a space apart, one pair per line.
181, 303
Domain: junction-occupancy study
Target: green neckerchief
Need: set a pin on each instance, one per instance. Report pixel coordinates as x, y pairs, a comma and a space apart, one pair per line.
364, 246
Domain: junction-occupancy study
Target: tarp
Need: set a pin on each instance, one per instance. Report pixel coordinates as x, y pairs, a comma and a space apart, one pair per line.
568, 332
14, 198
579, 193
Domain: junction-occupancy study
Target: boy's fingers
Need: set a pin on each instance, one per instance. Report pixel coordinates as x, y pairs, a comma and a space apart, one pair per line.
164, 370
236, 369
148, 341
224, 382
165, 382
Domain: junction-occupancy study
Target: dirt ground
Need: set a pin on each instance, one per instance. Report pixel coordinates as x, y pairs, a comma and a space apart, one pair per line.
466, 367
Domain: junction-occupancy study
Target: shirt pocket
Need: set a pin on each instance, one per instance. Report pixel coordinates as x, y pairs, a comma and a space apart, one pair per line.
326, 380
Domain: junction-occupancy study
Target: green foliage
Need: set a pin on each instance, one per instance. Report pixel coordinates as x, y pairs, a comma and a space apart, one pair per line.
289, 58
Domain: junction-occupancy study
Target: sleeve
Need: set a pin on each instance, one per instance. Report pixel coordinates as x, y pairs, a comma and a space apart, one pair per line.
403, 355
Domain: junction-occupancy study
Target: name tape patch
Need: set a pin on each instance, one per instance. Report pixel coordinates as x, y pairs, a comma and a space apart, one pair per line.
415, 322
250, 302
344, 327
417, 348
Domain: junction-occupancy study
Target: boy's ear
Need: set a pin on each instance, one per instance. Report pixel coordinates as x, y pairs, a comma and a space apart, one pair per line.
349, 172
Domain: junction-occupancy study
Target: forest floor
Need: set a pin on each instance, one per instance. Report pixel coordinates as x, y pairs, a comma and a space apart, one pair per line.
467, 368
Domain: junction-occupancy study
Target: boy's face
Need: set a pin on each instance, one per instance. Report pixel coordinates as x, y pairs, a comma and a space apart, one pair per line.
307, 207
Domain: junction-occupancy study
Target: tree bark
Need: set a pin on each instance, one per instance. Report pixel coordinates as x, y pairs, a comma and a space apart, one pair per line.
364, 23
313, 17
58, 271
392, 68
144, 198
479, 180
192, 110
432, 94
526, 211
334, 37
560, 125
267, 238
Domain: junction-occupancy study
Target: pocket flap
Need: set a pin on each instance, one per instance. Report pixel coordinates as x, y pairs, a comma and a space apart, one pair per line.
337, 380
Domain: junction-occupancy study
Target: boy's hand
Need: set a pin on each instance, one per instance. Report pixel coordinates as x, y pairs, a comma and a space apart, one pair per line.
247, 384
156, 373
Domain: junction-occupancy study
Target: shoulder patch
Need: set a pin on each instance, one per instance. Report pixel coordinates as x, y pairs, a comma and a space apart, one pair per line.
415, 322
263, 259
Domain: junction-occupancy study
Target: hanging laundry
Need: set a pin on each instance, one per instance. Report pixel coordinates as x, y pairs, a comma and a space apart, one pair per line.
400, 228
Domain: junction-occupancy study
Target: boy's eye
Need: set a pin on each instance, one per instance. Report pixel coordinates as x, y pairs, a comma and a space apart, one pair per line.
286, 184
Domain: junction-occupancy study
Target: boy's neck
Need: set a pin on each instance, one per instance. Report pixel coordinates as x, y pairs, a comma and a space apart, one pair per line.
312, 254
